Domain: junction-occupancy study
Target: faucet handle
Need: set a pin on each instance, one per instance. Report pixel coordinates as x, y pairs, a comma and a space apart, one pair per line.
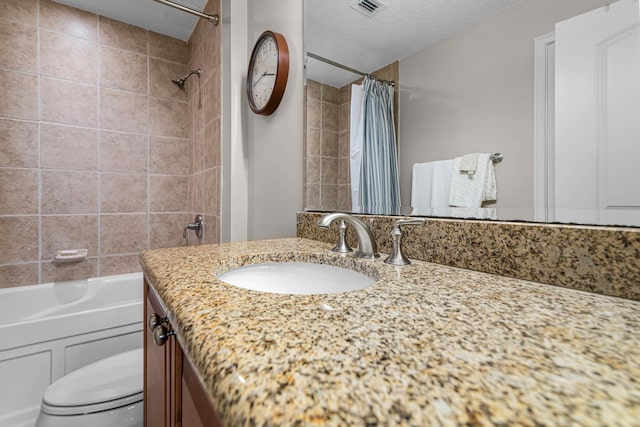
342, 246
397, 256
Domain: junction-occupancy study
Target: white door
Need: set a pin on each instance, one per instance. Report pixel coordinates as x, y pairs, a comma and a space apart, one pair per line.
597, 138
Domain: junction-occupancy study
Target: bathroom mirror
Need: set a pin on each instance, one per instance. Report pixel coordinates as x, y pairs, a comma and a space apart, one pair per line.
474, 87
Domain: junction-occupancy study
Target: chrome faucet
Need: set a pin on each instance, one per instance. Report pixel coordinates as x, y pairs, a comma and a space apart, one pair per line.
197, 226
367, 247
397, 257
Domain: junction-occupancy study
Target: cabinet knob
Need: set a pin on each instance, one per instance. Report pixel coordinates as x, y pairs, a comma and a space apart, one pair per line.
161, 334
155, 320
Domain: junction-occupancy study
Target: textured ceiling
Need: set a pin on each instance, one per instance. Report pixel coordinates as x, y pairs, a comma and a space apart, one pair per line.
335, 31
145, 14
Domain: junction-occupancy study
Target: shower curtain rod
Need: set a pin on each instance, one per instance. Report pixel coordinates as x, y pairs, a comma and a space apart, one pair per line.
344, 67
214, 19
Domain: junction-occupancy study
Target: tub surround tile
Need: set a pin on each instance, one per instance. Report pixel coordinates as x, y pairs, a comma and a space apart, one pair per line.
23, 11
69, 192
212, 150
19, 275
68, 20
161, 73
167, 118
19, 47
123, 152
427, 344
123, 111
123, 234
112, 197
67, 147
63, 271
164, 47
123, 70
69, 103
19, 98
18, 191
169, 155
211, 97
168, 193
123, 36
19, 142
68, 58
19, 241
603, 260
120, 264
69, 232
165, 230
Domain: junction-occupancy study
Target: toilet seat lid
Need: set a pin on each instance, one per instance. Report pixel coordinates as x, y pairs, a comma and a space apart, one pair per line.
106, 380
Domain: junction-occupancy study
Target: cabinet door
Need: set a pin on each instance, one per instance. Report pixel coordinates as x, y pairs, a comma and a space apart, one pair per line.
157, 372
196, 407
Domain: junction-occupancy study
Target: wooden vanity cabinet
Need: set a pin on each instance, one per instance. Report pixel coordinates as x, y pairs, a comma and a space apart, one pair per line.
173, 393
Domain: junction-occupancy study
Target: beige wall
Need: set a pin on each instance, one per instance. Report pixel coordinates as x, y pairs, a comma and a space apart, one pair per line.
474, 92
95, 141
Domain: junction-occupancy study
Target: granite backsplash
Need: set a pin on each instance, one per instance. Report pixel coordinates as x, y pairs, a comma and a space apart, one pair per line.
604, 260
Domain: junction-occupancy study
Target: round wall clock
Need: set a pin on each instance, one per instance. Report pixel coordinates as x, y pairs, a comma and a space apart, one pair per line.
268, 73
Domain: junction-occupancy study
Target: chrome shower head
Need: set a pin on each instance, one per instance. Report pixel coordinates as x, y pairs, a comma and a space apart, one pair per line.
180, 82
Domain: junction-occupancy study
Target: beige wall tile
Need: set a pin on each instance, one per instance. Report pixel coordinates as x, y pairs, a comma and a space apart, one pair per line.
343, 144
68, 20
68, 57
123, 152
123, 36
161, 73
314, 89
165, 230
212, 150
312, 196
69, 232
168, 193
211, 234
167, 118
23, 11
211, 54
161, 46
314, 143
68, 192
198, 151
212, 192
168, 155
123, 192
313, 170
19, 275
18, 191
344, 117
343, 171
329, 174
196, 193
19, 142
329, 94
66, 147
121, 264
19, 47
344, 198
329, 116
19, 98
123, 69
329, 197
124, 111
211, 98
329, 143
123, 234
314, 113
19, 241
63, 271
69, 103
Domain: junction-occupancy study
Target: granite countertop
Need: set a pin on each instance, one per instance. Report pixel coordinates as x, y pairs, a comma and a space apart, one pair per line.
425, 345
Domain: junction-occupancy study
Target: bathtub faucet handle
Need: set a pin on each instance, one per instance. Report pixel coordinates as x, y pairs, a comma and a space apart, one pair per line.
197, 225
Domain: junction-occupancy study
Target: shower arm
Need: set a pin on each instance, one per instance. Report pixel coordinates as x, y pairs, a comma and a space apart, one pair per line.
214, 19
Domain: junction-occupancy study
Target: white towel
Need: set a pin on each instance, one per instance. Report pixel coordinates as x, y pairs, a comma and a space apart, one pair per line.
469, 163
430, 185
469, 191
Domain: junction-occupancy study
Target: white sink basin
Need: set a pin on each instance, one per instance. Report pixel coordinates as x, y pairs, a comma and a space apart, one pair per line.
296, 278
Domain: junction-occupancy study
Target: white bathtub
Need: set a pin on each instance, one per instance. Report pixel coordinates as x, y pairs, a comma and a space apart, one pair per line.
49, 330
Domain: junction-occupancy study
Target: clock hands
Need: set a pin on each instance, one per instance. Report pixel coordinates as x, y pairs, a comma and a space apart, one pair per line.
261, 77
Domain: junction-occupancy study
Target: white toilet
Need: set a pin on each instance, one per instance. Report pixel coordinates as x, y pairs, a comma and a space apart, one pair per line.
105, 393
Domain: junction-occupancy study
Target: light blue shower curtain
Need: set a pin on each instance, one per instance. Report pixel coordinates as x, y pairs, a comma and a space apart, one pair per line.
379, 184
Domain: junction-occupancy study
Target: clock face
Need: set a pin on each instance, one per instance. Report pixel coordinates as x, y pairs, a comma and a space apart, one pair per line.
263, 73
268, 72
